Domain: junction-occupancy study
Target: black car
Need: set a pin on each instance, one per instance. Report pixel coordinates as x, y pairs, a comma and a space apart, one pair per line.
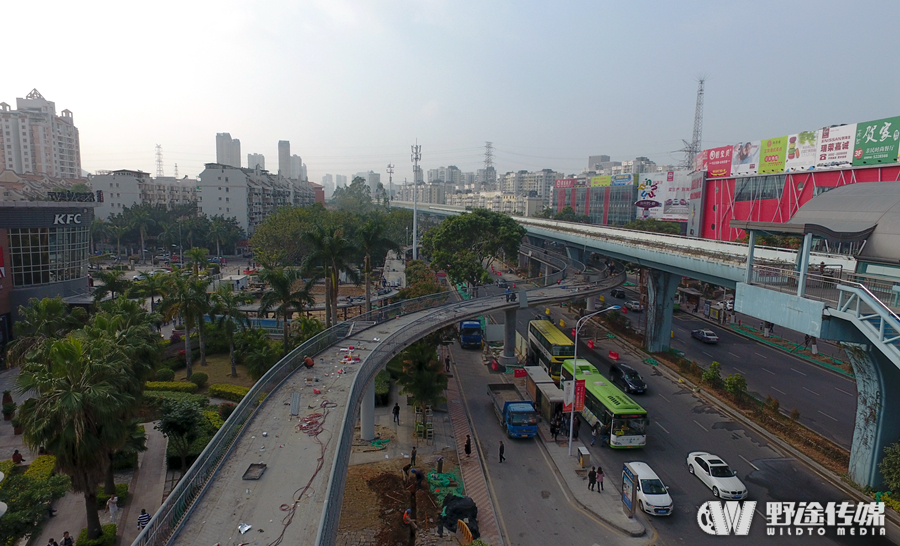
502, 284
617, 293
626, 378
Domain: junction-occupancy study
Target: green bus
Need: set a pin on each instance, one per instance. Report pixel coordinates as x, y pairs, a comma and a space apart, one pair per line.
619, 417
548, 347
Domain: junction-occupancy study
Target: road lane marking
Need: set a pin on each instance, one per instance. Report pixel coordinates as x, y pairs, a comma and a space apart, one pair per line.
706, 429
843, 391
826, 415
761, 356
739, 370
707, 354
664, 398
776, 390
767, 370
814, 392
748, 462
734, 355
798, 371
664, 428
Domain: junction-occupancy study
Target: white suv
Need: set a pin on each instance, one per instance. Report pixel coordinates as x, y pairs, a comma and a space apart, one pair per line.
652, 495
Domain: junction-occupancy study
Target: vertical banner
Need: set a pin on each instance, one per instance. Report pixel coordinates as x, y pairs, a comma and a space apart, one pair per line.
772, 154
836, 146
802, 151
695, 213
579, 395
877, 142
573, 389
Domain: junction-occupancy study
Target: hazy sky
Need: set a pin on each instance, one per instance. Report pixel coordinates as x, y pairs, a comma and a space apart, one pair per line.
352, 84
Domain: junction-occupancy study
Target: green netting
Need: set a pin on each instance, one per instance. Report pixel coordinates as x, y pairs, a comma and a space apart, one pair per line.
651, 361
440, 485
380, 444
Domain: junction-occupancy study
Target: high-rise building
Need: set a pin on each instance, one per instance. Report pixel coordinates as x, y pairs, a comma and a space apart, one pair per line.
256, 159
328, 185
595, 160
34, 140
296, 168
228, 150
340, 180
284, 158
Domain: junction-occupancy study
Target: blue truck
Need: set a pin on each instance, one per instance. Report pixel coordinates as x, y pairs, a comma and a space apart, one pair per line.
516, 414
470, 335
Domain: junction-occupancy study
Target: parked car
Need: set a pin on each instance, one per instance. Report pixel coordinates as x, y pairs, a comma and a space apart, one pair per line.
729, 305
617, 293
717, 475
634, 305
705, 335
627, 378
502, 284
651, 493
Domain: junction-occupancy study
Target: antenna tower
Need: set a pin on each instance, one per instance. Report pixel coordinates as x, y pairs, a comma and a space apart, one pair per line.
692, 148
159, 161
390, 171
416, 157
488, 164
176, 170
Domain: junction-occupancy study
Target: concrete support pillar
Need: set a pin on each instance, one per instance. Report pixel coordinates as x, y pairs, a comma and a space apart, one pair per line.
509, 338
751, 246
661, 288
877, 412
575, 253
523, 261
367, 413
534, 241
534, 268
590, 304
804, 264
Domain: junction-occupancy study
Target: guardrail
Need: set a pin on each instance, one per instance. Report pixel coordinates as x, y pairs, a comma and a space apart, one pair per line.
824, 287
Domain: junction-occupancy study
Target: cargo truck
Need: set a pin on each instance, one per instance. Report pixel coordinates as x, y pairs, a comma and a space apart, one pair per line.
517, 415
470, 334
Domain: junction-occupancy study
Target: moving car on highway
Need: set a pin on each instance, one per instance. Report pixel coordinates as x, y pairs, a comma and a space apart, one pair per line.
635, 306
717, 475
705, 335
652, 495
617, 293
626, 378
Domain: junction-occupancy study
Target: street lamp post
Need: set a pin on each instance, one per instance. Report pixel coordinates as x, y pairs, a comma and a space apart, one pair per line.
578, 326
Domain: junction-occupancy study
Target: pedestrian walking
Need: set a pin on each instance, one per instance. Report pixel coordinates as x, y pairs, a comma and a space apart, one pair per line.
53, 543
396, 412
502, 449
67, 540
554, 430
412, 456
600, 479
592, 479
593, 434
468, 448
447, 363
143, 519
112, 506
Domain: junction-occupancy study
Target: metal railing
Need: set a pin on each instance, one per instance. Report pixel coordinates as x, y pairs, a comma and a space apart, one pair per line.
542, 254
824, 287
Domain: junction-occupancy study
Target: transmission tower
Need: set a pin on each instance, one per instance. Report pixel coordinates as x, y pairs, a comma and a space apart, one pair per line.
176, 170
488, 164
159, 161
416, 157
390, 171
692, 148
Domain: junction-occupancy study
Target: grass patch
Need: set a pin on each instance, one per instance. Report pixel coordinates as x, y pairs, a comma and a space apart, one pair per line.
218, 369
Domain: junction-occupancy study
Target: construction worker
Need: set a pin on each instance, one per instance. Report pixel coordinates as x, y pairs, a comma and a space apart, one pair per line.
408, 519
308, 362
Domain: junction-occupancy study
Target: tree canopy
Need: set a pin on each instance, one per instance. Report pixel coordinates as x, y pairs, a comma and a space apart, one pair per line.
655, 226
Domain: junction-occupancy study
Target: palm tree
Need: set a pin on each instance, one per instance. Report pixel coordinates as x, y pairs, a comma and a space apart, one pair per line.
185, 297
333, 251
228, 314
150, 287
113, 284
423, 376
79, 393
42, 321
218, 230
371, 239
99, 230
282, 295
142, 220
118, 229
197, 258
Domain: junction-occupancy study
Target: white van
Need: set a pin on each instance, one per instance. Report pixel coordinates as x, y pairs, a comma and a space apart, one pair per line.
652, 495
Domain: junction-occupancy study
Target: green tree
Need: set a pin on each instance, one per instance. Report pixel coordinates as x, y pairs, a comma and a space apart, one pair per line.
79, 397
568, 214
26, 501
736, 385
99, 232
372, 239
654, 226
118, 229
150, 286
281, 239
546, 213
112, 283
890, 466
181, 421
305, 328
197, 259
42, 321
284, 296
142, 220
333, 252
258, 353
423, 375
713, 374
226, 308
420, 281
354, 198
185, 297
464, 245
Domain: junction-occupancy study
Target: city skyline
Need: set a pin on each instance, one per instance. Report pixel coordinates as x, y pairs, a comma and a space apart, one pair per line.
548, 85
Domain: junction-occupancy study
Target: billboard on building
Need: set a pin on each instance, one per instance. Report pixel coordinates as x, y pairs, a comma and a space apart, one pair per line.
664, 195
836, 146
802, 151
622, 179
565, 182
745, 158
718, 162
600, 181
877, 142
700, 160
772, 153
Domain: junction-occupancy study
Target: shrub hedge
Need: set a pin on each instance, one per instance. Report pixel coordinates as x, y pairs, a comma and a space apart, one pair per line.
213, 417
42, 468
199, 379
121, 492
172, 386
106, 538
157, 397
165, 374
235, 393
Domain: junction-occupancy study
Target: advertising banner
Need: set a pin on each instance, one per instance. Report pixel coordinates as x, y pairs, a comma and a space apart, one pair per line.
802, 151
877, 142
664, 196
695, 200
836, 146
576, 390
772, 153
718, 163
649, 189
565, 182
600, 181
700, 160
745, 158
622, 179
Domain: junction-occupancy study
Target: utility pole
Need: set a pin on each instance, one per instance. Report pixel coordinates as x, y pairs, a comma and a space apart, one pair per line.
390, 171
416, 157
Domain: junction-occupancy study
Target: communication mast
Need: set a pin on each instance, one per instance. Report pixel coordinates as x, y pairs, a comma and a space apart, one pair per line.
692, 148
159, 161
390, 171
176, 170
416, 157
488, 164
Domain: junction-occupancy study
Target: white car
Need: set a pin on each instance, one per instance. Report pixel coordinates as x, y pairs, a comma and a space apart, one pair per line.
652, 495
717, 475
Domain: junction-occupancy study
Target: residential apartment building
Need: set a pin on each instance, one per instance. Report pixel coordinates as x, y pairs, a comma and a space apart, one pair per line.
298, 169
539, 183
34, 140
427, 193
284, 158
250, 195
125, 188
340, 180
228, 150
256, 160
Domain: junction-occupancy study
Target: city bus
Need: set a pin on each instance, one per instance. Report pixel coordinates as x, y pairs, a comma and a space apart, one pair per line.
616, 415
548, 347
